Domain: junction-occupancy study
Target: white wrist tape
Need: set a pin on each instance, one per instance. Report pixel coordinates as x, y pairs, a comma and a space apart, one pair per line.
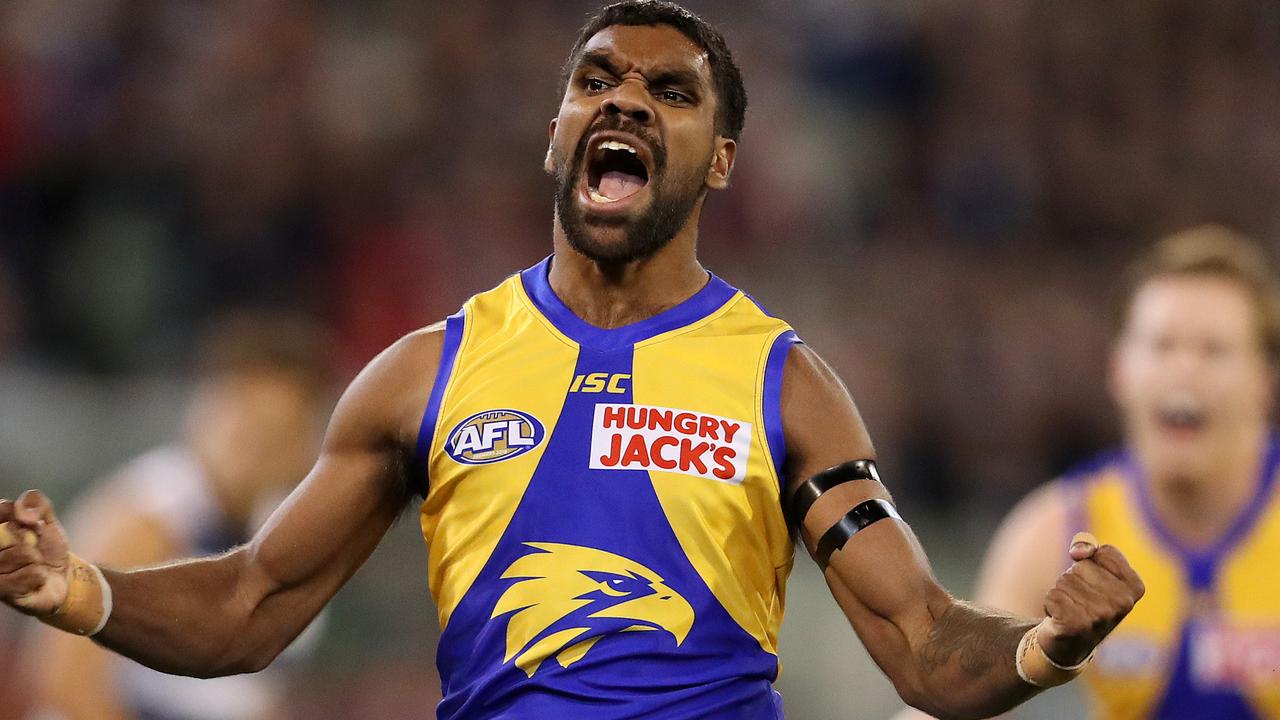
88, 604
1037, 668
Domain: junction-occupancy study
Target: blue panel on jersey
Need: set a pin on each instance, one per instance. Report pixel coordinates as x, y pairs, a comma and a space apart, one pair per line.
1184, 700
588, 607
701, 304
1202, 564
773, 372
453, 327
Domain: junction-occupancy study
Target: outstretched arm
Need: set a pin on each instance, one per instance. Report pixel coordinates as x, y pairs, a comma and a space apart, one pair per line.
947, 657
236, 612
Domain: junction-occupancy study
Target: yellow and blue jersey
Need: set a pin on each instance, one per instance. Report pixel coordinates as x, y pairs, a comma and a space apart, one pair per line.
605, 537
1204, 643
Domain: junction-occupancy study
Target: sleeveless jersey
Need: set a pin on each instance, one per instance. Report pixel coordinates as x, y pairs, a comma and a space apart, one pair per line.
604, 532
1204, 642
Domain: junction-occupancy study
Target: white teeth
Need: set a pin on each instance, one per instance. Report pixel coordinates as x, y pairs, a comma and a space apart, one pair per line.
599, 198
615, 145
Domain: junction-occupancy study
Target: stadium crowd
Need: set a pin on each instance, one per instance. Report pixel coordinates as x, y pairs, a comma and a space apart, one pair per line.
937, 194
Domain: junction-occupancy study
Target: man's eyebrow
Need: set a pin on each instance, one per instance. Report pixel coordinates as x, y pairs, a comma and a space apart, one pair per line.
599, 60
678, 77
673, 77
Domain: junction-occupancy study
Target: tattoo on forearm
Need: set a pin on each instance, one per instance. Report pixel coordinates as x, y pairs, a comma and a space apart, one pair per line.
980, 640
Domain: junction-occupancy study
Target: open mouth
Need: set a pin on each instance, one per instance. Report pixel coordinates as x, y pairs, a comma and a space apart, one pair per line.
616, 170
1182, 414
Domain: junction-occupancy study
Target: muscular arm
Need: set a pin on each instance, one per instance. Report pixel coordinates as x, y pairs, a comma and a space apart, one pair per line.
236, 612
1020, 566
947, 657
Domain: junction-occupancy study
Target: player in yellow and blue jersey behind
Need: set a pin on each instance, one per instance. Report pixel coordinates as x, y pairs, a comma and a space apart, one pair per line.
1191, 496
614, 450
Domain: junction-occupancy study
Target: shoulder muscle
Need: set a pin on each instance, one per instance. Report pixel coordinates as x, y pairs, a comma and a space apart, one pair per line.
821, 423
385, 402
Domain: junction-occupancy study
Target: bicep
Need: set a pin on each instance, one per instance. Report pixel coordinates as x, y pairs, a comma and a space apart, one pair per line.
333, 520
330, 522
881, 578
236, 612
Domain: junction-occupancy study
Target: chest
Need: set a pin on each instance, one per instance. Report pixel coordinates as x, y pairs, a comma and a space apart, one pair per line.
1208, 628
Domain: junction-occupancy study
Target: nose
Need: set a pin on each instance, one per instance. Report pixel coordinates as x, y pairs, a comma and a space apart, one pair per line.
629, 99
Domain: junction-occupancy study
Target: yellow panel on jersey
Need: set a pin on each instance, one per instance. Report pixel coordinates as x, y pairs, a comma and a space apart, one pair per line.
603, 519
1129, 675
725, 527
1198, 644
1247, 651
462, 528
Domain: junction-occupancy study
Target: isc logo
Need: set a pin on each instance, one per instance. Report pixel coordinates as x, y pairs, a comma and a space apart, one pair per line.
616, 383
492, 436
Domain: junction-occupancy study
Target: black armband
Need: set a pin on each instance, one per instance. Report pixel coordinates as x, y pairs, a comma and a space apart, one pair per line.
859, 517
810, 490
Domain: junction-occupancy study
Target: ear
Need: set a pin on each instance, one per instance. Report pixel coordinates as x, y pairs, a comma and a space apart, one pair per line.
547, 164
721, 163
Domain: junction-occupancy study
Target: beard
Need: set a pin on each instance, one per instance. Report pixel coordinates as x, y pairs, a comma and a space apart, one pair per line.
672, 200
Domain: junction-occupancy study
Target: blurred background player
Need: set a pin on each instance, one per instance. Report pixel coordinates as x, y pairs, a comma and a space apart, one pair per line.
251, 428
1191, 495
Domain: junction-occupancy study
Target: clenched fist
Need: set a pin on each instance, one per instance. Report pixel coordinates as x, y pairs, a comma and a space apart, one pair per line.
1088, 601
33, 555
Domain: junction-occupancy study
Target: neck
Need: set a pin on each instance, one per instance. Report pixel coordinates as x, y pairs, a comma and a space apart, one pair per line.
1198, 505
612, 295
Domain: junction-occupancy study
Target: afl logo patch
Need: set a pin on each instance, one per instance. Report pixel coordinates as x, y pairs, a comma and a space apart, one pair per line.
493, 436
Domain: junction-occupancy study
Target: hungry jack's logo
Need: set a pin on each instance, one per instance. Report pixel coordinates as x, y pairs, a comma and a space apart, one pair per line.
644, 437
568, 597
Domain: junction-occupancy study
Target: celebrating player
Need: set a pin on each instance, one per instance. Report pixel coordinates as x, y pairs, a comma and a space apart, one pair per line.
1191, 496
614, 449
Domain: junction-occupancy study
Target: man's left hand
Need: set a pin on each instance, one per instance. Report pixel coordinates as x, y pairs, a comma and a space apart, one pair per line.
1088, 601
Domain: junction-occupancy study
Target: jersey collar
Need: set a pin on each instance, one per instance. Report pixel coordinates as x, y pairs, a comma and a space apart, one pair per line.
537, 286
1202, 563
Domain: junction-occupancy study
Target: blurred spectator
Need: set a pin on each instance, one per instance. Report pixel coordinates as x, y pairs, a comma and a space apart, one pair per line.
250, 435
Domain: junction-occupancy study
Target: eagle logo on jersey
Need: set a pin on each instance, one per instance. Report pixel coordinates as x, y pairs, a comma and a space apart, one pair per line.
567, 597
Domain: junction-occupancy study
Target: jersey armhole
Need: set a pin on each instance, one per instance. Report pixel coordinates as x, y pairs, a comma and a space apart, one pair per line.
453, 328
774, 368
